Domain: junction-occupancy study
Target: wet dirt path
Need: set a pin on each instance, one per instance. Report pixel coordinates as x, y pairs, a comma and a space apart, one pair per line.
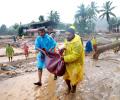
47, 91
51, 87
22, 87
102, 82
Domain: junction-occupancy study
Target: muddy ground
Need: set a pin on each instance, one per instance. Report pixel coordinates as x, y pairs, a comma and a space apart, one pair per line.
102, 81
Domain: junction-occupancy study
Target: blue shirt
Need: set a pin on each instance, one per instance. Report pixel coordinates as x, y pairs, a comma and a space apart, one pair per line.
46, 42
88, 47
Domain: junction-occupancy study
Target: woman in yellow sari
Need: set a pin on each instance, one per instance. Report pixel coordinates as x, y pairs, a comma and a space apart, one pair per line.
74, 59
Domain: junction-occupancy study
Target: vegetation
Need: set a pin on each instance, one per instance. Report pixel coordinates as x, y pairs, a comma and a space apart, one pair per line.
107, 12
12, 30
55, 17
85, 18
41, 18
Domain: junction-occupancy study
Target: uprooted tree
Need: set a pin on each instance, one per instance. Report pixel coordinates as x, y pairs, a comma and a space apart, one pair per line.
104, 48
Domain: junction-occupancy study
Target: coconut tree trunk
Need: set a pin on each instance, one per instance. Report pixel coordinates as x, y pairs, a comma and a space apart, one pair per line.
101, 49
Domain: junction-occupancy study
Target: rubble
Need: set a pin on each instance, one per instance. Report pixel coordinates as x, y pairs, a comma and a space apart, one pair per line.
102, 81
8, 68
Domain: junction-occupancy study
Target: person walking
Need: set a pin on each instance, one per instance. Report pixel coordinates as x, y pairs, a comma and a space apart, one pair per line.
73, 57
46, 42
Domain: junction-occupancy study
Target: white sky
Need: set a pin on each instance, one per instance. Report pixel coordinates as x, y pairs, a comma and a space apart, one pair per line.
25, 11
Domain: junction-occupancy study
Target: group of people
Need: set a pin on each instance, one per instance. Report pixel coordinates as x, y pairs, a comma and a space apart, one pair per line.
91, 45
73, 56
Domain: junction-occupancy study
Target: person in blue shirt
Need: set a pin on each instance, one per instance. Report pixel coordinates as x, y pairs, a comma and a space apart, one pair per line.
43, 41
88, 47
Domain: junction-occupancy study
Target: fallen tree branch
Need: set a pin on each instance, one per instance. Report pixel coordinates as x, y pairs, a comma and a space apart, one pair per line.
103, 48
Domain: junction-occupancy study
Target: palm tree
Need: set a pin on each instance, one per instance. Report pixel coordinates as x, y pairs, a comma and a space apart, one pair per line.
92, 10
54, 16
81, 18
85, 17
81, 13
92, 16
113, 21
107, 12
94, 7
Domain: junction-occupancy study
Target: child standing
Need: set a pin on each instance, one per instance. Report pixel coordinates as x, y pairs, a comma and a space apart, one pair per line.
9, 52
26, 50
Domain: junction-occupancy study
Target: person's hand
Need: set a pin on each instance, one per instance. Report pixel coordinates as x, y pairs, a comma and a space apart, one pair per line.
62, 50
62, 58
44, 49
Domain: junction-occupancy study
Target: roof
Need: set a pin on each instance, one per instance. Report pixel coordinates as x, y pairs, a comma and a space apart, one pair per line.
33, 27
42, 24
32, 30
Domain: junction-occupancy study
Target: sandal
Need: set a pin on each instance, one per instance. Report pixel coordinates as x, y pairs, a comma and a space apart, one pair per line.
38, 83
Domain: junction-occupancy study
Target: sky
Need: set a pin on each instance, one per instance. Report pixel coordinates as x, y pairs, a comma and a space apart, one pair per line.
25, 11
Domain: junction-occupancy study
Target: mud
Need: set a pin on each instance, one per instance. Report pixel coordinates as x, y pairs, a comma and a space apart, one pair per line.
101, 82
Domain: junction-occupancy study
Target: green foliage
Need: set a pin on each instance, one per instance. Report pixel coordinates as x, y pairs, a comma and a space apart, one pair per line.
107, 11
54, 16
20, 31
3, 29
9, 31
16, 26
80, 18
41, 18
63, 26
12, 31
85, 18
113, 21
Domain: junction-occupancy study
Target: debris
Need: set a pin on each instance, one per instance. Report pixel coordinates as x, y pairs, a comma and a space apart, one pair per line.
8, 68
97, 66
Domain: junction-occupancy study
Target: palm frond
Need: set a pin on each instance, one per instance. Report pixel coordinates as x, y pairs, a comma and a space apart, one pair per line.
102, 15
111, 8
102, 10
112, 14
110, 3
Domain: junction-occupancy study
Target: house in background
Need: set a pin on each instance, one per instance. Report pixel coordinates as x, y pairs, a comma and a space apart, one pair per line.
32, 28
32, 32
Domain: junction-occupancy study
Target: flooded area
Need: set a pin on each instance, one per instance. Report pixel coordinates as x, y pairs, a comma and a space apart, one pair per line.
35, 30
101, 79
102, 82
